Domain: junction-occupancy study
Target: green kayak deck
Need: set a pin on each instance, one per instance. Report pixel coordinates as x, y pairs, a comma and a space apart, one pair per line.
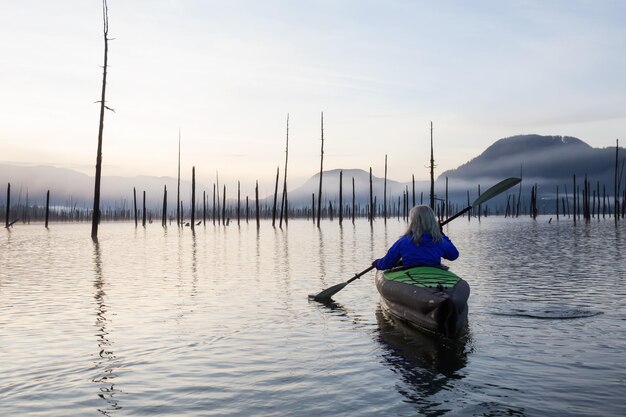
423, 277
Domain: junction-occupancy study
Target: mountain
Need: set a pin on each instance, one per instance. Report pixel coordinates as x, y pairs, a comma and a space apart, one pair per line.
330, 187
546, 160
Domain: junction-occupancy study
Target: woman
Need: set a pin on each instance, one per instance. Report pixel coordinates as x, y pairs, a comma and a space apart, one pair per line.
423, 244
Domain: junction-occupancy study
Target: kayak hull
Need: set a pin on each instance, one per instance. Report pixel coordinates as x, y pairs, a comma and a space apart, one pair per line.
430, 299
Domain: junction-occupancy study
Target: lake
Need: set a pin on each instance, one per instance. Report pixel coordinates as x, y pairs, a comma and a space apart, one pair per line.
155, 322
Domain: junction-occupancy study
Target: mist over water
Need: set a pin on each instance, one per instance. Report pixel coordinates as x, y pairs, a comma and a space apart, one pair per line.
169, 322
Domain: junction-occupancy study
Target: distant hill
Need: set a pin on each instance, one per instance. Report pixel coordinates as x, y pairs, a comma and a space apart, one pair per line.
546, 160
67, 186
330, 185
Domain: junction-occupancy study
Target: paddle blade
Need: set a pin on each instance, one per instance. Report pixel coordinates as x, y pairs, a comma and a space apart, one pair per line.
328, 292
499, 188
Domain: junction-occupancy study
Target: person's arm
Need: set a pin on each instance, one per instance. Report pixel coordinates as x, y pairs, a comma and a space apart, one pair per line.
391, 258
450, 252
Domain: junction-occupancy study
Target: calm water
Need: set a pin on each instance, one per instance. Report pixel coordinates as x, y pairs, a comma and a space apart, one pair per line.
152, 322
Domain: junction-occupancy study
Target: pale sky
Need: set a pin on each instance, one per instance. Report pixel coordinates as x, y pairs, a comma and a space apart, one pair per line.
226, 73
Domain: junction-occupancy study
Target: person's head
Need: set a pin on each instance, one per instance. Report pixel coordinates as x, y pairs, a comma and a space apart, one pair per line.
422, 220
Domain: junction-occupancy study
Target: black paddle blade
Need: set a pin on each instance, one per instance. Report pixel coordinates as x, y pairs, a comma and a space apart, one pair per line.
497, 189
328, 292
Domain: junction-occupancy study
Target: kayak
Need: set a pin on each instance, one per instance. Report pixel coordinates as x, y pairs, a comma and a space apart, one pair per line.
429, 298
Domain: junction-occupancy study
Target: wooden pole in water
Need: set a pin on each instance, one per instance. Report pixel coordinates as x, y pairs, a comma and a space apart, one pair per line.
47, 206
135, 204
204, 207
313, 207
604, 201
178, 219
224, 206
247, 210
193, 197
432, 170
340, 197
284, 206
256, 193
238, 202
164, 214
319, 195
143, 220
413, 181
616, 192
275, 197
6, 214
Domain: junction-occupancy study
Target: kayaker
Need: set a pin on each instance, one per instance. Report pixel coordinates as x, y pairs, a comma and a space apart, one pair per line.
423, 244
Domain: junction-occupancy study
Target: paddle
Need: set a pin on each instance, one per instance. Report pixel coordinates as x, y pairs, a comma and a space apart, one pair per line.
499, 188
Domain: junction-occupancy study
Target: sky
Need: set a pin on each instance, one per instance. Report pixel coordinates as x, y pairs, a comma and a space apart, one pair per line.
224, 75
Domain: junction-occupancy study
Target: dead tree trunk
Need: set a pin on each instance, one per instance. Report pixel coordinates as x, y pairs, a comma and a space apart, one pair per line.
275, 197
432, 170
616, 192
135, 204
284, 211
319, 195
256, 193
193, 197
178, 219
164, 214
143, 218
95, 221
47, 207
7, 213
353, 201
224, 206
340, 197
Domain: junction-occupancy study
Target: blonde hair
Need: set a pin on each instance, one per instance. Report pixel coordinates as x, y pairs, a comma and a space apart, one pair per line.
422, 220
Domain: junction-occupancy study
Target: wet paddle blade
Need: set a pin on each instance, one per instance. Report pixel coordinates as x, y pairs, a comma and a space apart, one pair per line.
328, 292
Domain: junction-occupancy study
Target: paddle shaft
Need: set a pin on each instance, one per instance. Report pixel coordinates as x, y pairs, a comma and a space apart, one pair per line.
360, 274
460, 213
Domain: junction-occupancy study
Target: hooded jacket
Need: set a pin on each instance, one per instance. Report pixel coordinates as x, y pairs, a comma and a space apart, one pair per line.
427, 253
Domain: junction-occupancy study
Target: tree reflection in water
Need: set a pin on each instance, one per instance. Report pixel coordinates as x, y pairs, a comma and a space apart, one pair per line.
105, 363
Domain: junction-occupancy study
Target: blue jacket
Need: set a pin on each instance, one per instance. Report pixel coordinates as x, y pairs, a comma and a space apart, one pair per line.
428, 252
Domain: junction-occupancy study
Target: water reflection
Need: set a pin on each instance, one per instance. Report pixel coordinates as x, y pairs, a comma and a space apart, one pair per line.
427, 364
194, 264
105, 364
